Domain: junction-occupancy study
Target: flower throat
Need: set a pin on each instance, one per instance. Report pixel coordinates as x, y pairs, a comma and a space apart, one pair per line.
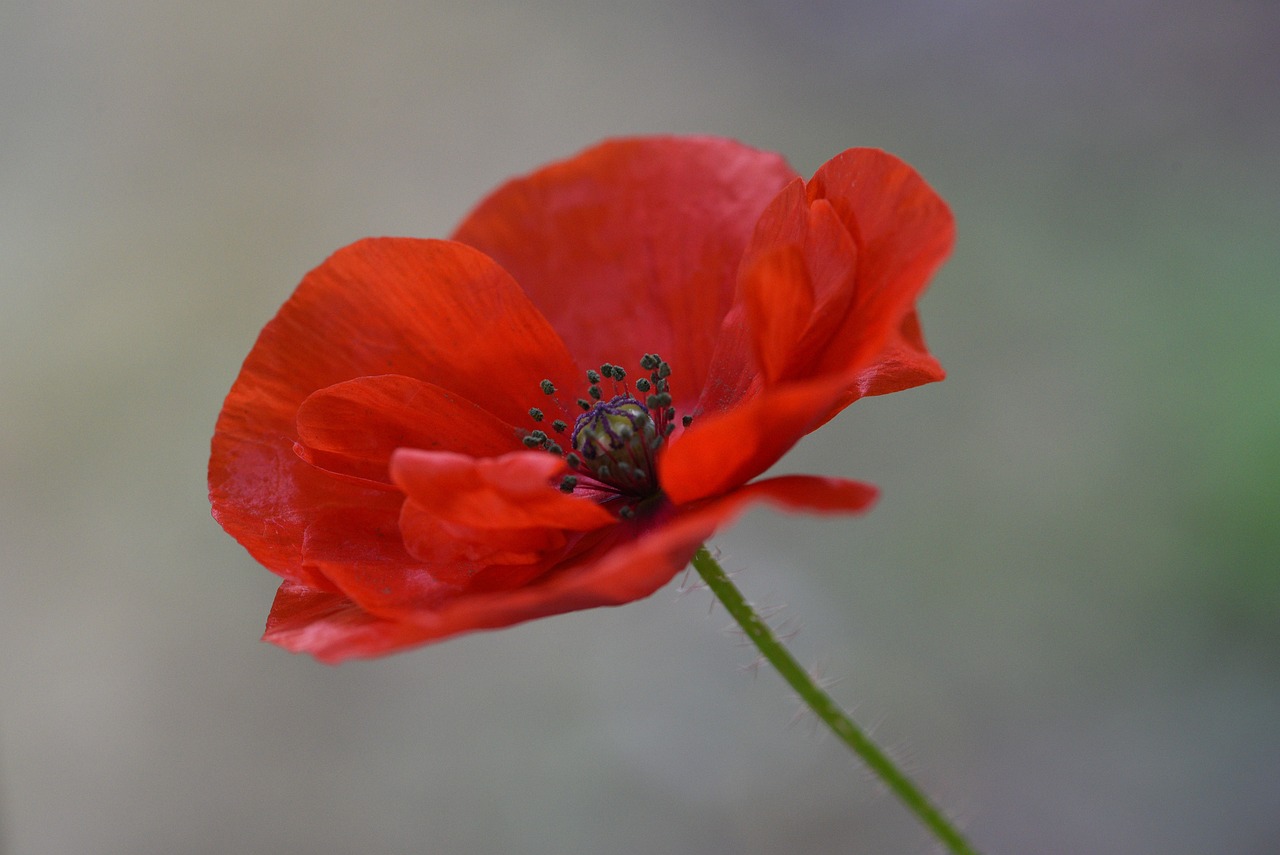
614, 443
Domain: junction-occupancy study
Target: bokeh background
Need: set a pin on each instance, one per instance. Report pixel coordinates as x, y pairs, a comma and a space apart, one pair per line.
1063, 616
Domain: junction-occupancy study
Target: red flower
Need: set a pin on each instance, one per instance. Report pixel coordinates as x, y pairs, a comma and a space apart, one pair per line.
405, 445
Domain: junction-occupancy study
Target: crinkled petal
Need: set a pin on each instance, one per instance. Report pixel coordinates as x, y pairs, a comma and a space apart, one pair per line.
903, 232
437, 311
361, 422
630, 563
855, 247
332, 628
633, 245
903, 363
723, 450
779, 300
516, 490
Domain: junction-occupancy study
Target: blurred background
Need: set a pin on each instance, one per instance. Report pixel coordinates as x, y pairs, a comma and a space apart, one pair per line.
1063, 615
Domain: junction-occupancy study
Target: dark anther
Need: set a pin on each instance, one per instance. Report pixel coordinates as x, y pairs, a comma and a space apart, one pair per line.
548, 388
573, 460
535, 414
594, 391
592, 377
531, 442
648, 362
568, 483
664, 369
555, 449
626, 512
606, 370
687, 420
585, 404
643, 385
619, 374
559, 426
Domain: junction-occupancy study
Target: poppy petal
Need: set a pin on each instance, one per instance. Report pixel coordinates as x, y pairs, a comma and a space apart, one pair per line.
722, 450
903, 363
801, 266
419, 308
779, 301
515, 490
903, 232
628, 567
633, 246
332, 628
366, 419
637, 568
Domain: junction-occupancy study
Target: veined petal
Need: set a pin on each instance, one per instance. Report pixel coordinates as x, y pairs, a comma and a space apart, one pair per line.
722, 450
332, 628
633, 245
903, 231
779, 300
363, 421
903, 362
632, 562
433, 310
515, 490
862, 237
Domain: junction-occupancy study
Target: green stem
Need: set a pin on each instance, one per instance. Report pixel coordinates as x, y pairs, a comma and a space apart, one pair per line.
825, 708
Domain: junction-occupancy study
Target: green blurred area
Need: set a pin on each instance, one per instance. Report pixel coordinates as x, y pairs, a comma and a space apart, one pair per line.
1063, 612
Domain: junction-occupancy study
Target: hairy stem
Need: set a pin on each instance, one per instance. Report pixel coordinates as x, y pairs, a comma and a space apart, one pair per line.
825, 708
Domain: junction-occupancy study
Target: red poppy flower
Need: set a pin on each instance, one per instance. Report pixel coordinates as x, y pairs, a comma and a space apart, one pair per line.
431, 437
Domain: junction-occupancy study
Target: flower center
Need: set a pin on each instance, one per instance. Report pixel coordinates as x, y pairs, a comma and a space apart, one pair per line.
615, 443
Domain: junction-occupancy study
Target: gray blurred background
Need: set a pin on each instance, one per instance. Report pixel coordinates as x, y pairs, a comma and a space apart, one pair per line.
1063, 616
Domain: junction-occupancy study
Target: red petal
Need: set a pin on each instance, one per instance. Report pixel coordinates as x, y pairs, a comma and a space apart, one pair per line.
334, 628
903, 231
779, 301
904, 362
363, 421
801, 266
862, 239
633, 246
512, 491
724, 450
433, 310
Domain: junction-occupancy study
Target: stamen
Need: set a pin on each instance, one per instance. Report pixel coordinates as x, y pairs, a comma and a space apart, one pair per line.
614, 443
